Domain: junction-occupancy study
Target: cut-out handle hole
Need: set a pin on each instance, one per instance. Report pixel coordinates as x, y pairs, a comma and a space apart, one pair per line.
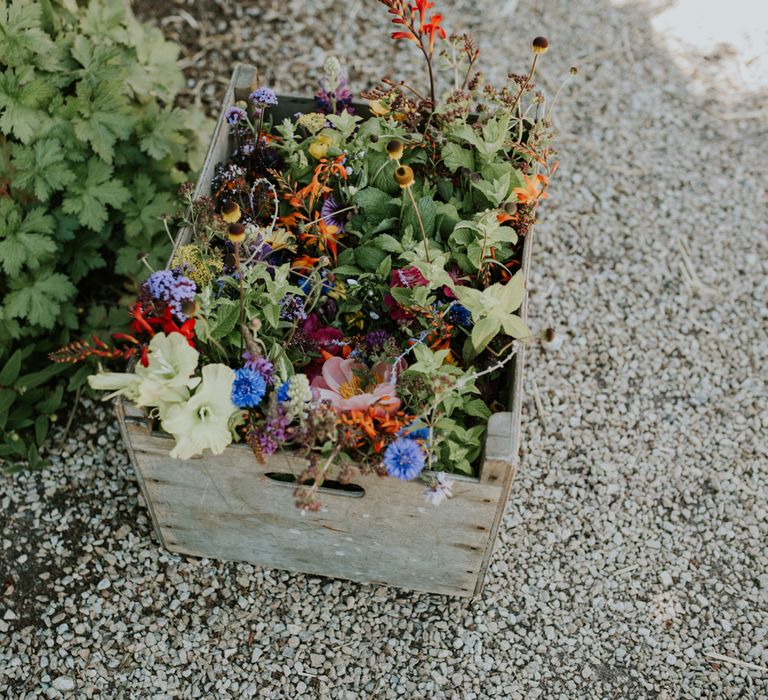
330, 486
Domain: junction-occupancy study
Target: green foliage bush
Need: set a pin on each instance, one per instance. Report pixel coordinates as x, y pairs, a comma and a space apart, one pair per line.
92, 151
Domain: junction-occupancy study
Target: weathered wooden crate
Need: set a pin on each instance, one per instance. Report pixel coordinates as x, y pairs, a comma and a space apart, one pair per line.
377, 530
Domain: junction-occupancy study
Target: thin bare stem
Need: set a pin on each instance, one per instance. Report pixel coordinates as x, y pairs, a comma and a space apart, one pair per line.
421, 223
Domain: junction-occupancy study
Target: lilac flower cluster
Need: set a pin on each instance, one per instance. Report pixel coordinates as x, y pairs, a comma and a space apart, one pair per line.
292, 308
258, 364
275, 432
234, 115
263, 96
173, 288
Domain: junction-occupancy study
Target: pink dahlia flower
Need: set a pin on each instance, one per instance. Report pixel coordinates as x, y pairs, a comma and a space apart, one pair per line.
350, 386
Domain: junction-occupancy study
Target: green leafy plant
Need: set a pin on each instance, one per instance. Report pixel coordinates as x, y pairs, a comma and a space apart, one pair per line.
91, 153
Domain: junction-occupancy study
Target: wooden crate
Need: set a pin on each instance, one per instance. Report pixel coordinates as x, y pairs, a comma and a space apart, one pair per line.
379, 530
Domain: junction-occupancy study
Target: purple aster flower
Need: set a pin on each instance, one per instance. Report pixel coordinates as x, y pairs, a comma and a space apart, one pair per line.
292, 308
332, 213
234, 114
404, 459
440, 489
263, 96
248, 389
173, 288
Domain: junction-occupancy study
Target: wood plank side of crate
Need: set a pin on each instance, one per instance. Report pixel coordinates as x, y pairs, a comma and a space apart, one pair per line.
227, 507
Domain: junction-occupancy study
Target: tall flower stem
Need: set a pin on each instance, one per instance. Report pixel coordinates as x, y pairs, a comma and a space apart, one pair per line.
527, 81
421, 223
239, 269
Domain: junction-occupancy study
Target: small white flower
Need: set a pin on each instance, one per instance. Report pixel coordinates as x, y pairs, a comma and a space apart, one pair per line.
440, 489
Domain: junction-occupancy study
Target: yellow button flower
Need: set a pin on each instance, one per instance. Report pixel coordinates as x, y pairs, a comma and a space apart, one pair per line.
320, 145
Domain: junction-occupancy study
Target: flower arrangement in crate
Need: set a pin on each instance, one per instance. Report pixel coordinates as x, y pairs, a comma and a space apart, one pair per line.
350, 285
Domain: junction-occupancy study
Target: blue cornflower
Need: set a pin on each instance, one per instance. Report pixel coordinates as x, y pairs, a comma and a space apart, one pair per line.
282, 392
404, 459
248, 389
417, 434
263, 96
460, 315
234, 114
173, 288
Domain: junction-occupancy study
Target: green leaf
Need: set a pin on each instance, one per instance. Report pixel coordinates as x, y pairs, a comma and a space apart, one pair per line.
21, 98
22, 40
102, 119
89, 196
477, 408
41, 168
24, 241
496, 191
226, 317
161, 136
375, 204
515, 327
428, 213
369, 258
456, 157
11, 369
144, 209
483, 332
39, 301
345, 123
41, 428
388, 243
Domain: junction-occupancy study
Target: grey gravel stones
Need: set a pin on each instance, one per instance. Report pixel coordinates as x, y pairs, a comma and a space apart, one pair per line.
632, 562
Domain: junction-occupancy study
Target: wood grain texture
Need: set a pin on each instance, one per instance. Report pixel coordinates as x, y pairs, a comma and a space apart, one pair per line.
226, 507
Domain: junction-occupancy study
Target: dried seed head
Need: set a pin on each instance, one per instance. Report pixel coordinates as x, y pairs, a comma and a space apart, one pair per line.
230, 211
574, 70
236, 233
510, 207
190, 308
404, 176
540, 45
395, 149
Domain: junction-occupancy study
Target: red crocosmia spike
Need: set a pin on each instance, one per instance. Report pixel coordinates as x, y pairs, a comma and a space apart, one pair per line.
403, 35
144, 359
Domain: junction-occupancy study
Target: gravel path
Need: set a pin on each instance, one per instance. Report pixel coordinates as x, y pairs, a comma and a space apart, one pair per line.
633, 557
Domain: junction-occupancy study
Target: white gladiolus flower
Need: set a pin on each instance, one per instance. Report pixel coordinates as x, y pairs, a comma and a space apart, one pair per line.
119, 383
165, 381
203, 421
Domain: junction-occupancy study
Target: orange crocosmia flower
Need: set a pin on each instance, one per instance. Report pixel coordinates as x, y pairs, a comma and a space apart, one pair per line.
304, 262
434, 28
291, 220
502, 217
325, 237
532, 190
